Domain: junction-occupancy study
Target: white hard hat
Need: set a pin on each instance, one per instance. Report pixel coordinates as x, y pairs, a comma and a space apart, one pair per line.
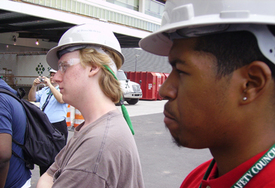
191, 18
52, 70
95, 34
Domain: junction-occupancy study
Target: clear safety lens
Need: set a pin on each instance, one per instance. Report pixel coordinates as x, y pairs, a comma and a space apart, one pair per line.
64, 65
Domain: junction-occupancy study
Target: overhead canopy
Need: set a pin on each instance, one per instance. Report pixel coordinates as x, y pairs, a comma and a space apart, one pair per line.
24, 21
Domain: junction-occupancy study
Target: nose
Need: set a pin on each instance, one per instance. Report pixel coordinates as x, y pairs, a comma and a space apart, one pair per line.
168, 89
58, 77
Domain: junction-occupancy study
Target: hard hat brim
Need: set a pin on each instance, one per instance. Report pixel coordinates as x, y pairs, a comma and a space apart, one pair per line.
52, 58
159, 44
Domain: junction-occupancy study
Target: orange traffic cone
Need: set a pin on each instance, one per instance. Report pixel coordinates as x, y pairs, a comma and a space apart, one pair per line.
78, 118
68, 118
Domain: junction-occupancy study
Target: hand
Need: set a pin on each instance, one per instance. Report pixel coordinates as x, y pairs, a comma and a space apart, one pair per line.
46, 81
41, 80
38, 81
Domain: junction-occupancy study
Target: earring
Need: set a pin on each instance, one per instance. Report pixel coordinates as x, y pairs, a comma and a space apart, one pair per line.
245, 98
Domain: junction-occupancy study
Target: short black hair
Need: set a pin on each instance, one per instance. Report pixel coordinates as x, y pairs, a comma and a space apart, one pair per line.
233, 50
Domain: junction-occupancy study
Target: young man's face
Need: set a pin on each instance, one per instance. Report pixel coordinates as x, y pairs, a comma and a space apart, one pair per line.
71, 77
199, 111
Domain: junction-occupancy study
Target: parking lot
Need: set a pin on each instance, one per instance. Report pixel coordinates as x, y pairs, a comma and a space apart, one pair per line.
164, 164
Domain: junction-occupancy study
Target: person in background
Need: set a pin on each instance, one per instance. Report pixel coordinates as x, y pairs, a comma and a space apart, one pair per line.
51, 103
102, 152
13, 171
221, 90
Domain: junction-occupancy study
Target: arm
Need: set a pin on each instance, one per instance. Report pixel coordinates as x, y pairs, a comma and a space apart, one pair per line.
5, 155
32, 92
56, 93
45, 181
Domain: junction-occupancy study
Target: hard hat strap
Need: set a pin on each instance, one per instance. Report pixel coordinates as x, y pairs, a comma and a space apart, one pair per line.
123, 108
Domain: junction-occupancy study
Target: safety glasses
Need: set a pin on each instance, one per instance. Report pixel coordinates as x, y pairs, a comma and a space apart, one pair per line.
64, 65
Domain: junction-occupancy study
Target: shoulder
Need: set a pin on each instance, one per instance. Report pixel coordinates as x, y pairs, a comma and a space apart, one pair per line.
11, 114
44, 89
7, 101
195, 177
119, 133
270, 184
111, 135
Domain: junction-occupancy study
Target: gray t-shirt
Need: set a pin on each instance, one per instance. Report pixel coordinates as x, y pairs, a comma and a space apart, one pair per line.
102, 154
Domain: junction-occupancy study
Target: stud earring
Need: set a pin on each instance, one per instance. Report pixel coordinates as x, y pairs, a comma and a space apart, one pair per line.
245, 98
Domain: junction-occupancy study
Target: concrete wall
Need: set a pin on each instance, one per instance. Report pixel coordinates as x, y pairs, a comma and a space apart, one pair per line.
24, 68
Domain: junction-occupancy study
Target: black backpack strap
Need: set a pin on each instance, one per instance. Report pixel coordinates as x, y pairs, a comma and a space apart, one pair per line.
16, 155
27, 163
47, 101
21, 92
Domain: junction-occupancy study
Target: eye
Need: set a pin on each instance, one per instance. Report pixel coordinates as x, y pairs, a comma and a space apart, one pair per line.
179, 71
65, 67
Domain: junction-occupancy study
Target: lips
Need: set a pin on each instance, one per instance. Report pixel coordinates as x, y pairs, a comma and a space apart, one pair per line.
61, 90
168, 118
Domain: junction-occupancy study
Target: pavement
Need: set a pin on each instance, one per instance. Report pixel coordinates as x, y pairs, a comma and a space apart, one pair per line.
164, 164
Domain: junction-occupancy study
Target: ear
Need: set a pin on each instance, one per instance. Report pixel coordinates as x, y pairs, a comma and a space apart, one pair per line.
257, 78
93, 70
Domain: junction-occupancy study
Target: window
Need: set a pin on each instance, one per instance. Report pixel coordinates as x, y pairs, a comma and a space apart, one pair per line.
154, 8
130, 4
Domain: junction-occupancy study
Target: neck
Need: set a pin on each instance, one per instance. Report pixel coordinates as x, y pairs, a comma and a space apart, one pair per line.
96, 114
94, 107
229, 157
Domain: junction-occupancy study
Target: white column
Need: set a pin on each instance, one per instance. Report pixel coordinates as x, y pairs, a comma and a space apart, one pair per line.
142, 6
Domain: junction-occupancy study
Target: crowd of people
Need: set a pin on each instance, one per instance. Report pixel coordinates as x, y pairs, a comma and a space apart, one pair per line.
220, 96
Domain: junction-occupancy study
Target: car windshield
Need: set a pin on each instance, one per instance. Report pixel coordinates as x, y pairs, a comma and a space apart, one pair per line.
121, 75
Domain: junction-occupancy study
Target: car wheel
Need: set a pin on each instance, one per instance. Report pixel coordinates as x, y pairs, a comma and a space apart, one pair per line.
132, 101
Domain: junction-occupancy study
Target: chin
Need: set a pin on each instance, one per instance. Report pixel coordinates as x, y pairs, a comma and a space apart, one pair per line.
177, 142
185, 144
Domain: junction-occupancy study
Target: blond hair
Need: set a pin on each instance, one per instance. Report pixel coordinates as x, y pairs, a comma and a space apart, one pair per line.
107, 82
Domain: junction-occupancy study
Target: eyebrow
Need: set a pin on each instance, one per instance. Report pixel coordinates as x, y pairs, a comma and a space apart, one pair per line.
63, 63
177, 61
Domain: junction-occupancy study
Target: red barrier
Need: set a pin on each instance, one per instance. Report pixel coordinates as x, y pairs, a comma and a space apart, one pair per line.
166, 75
160, 80
150, 83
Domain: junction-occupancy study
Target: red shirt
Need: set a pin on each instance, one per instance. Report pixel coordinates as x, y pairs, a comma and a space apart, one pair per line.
264, 179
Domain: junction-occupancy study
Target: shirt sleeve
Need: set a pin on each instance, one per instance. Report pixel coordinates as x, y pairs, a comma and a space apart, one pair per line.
55, 166
39, 93
5, 116
78, 171
71, 178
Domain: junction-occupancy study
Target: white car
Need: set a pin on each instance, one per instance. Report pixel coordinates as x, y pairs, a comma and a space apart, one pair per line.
131, 90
